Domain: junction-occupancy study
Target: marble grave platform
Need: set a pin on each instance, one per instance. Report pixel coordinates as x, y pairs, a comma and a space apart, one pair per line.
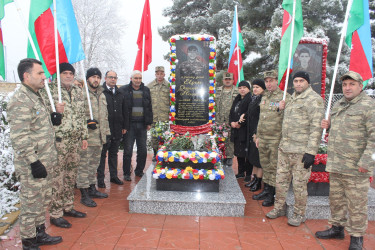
229, 201
318, 206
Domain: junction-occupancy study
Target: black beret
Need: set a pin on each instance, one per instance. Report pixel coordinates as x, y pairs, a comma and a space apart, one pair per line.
92, 72
66, 67
303, 75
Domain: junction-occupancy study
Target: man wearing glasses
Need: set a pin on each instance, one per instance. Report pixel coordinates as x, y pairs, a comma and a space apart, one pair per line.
138, 102
117, 113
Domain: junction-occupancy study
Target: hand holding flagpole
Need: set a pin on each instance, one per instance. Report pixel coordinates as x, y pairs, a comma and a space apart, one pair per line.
343, 33
35, 53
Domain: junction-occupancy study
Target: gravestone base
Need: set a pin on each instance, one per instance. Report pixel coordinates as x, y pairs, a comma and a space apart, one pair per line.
318, 206
187, 185
229, 201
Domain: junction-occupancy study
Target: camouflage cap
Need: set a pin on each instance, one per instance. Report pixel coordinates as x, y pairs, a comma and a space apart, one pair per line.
352, 75
270, 73
228, 76
159, 68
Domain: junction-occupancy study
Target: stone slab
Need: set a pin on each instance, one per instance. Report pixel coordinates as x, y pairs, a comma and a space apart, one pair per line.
229, 201
318, 206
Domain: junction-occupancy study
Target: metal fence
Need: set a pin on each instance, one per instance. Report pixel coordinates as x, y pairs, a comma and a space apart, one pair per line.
337, 97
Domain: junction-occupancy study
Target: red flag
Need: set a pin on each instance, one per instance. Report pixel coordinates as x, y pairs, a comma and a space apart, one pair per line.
145, 30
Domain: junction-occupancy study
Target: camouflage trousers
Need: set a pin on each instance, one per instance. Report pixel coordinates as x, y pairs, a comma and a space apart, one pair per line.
290, 165
88, 165
268, 150
35, 197
348, 194
64, 177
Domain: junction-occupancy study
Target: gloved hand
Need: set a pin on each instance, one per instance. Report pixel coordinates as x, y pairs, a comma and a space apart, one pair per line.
56, 118
308, 160
91, 124
38, 170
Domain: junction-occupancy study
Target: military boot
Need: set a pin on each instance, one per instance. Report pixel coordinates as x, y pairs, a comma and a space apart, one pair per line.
262, 195
356, 243
270, 198
42, 238
276, 213
30, 244
94, 193
85, 198
296, 220
335, 232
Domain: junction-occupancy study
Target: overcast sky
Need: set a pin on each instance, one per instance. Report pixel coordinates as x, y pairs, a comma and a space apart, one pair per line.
15, 38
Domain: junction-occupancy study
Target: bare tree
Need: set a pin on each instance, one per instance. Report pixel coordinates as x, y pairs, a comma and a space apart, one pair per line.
101, 27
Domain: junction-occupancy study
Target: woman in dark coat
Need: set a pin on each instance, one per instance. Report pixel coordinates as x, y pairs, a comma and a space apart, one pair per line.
252, 118
239, 129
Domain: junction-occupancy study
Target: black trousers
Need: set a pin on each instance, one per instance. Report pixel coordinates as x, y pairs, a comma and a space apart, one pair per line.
112, 148
244, 166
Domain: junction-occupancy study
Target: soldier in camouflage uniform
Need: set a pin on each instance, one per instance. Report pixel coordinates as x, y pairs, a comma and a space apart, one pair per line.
300, 139
33, 141
70, 136
224, 99
99, 134
192, 66
159, 89
350, 147
268, 135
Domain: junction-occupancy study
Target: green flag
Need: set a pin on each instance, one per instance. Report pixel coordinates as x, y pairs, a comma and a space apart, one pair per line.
2, 59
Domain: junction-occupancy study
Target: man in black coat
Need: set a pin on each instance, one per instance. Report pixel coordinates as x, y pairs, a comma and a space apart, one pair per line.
138, 102
117, 115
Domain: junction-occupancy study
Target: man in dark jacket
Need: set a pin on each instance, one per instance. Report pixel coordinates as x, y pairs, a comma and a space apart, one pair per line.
138, 102
117, 114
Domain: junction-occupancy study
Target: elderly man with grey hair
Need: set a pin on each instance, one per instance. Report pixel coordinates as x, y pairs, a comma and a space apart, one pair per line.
139, 120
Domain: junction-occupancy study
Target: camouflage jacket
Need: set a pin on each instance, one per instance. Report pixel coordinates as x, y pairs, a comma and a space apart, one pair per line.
224, 104
301, 132
270, 117
98, 137
351, 141
160, 100
73, 124
31, 130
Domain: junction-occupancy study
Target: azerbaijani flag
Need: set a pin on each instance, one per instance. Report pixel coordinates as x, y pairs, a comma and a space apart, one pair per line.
2, 58
235, 59
42, 32
286, 35
358, 38
145, 29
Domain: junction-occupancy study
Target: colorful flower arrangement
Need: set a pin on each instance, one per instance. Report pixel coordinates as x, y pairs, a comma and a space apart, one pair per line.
188, 173
186, 156
320, 158
212, 78
161, 131
221, 132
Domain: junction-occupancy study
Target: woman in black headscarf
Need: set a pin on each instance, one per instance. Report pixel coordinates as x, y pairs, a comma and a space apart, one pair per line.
239, 129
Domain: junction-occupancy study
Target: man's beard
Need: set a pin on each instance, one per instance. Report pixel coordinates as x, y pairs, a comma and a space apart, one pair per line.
92, 86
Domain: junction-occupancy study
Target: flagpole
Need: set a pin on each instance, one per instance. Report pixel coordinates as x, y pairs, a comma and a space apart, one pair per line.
87, 90
35, 53
5, 63
290, 50
238, 47
143, 53
343, 34
57, 51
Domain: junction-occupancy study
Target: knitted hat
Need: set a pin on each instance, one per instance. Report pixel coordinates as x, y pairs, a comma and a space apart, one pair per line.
244, 84
67, 67
303, 75
259, 82
92, 72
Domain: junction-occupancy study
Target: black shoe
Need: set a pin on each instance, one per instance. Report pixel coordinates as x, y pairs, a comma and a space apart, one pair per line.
42, 238
101, 184
74, 213
335, 232
60, 222
262, 195
270, 197
240, 175
255, 178
85, 199
127, 178
30, 244
140, 174
257, 185
356, 243
94, 193
247, 178
116, 180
